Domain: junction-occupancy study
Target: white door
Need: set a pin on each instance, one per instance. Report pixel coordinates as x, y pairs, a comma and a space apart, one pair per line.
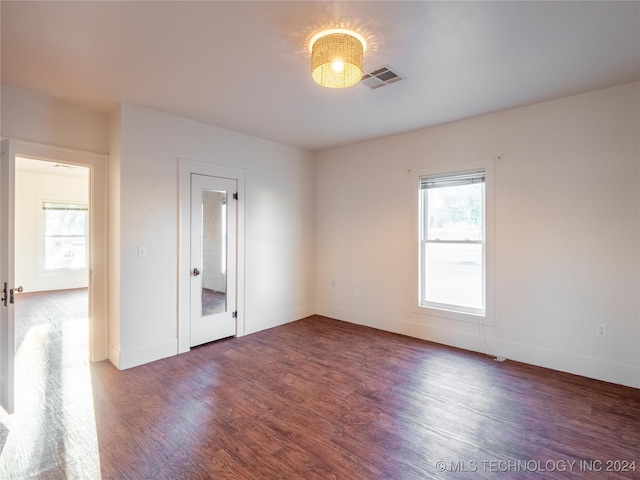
7, 331
213, 258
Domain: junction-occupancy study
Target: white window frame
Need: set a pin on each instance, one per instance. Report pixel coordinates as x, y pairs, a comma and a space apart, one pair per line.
455, 312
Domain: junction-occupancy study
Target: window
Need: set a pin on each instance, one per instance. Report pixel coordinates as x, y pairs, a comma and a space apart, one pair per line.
453, 254
65, 236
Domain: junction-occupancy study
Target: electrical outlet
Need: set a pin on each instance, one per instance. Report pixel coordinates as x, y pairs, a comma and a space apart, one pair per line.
333, 283
602, 330
355, 292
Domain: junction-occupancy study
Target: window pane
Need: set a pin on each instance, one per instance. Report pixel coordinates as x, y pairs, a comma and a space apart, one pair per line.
65, 252
65, 222
65, 236
454, 274
455, 213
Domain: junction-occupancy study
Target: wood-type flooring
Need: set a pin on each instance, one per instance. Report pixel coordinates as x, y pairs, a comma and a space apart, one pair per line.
324, 399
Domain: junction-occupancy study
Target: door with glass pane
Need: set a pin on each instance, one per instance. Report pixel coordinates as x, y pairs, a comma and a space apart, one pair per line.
213, 258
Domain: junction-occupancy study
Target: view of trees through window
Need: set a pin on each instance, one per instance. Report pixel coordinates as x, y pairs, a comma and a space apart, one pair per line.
455, 213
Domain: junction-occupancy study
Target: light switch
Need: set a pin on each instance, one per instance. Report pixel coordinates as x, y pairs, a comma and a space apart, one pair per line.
142, 251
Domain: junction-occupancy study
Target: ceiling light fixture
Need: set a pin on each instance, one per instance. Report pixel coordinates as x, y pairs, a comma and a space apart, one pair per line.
336, 58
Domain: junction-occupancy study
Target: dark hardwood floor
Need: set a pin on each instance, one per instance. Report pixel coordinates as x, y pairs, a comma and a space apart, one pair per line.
319, 398
323, 399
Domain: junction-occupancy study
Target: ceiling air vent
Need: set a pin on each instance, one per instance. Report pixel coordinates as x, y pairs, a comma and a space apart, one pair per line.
381, 77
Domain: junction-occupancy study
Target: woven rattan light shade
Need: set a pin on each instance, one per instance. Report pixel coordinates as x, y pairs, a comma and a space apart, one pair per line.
336, 60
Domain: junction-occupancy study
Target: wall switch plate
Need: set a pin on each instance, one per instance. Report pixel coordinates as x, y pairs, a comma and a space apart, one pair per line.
142, 252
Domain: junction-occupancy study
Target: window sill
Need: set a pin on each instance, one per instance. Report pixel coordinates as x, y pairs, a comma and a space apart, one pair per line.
454, 315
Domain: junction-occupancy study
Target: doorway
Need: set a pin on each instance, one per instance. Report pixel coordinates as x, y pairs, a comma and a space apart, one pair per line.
51, 253
93, 168
51, 225
58, 252
97, 259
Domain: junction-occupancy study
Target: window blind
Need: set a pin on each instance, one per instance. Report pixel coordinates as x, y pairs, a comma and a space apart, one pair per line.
63, 206
452, 180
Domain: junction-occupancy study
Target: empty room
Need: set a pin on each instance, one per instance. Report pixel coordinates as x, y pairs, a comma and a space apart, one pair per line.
320, 240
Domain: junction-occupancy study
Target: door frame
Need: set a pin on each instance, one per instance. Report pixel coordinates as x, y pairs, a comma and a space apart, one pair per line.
187, 167
98, 294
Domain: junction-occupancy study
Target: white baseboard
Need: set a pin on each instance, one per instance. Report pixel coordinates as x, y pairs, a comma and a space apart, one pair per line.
256, 324
132, 358
585, 366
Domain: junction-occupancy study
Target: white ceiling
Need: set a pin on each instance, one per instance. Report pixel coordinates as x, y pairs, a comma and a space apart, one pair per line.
245, 66
50, 168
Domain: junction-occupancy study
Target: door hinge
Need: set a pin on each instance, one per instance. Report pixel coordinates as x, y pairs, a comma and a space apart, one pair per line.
4, 295
235, 314
235, 196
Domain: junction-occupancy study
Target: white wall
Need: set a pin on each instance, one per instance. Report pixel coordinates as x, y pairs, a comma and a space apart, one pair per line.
31, 190
279, 250
567, 232
38, 118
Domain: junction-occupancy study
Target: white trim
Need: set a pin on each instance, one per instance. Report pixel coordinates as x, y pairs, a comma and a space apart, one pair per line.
139, 356
489, 168
283, 317
185, 168
98, 294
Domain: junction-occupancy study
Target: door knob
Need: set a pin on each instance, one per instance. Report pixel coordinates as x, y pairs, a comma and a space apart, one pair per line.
12, 291
195, 272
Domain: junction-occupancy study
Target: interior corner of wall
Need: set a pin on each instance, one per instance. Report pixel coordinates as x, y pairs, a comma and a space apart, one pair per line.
114, 356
